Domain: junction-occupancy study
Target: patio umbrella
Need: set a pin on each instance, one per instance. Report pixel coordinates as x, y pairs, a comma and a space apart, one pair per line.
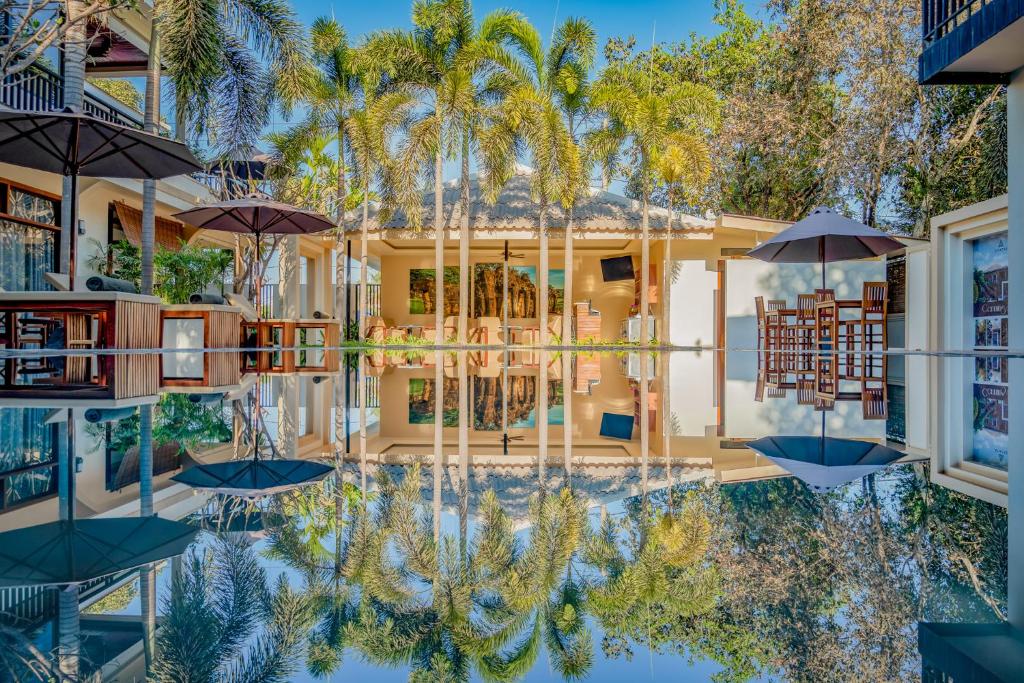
257, 216
253, 478
75, 144
74, 551
823, 237
824, 462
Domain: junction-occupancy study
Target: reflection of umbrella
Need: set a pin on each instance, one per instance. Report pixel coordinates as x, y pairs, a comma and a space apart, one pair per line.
253, 478
75, 144
824, 462
823, 237
257, 216
69, 552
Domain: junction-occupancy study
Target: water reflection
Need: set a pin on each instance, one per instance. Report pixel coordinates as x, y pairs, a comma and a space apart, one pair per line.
493, 517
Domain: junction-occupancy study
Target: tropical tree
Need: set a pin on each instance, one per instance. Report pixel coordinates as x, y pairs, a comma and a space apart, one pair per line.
531, 115
643, 121
441, 59
228, 61
537, 589
331, 93
224, 621
371, 128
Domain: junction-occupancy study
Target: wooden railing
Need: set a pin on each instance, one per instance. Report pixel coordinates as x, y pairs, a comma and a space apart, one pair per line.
940, 17
39, 89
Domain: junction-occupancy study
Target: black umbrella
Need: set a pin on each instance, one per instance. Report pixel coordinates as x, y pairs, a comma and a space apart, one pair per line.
253, 478
75, 144
74, 551
257, 216
824, 237
824, 462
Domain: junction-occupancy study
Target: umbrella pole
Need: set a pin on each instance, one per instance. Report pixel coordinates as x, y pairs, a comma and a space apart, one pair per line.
821, 259
73, 231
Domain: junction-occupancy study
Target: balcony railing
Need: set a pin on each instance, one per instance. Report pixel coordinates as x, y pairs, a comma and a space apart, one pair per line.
939, 17
39, 89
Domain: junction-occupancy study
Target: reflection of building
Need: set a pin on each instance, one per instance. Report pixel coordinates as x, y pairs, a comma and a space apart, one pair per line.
699, 414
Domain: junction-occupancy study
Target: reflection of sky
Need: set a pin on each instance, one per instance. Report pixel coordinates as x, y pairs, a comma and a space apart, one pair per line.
990, 448
990, 252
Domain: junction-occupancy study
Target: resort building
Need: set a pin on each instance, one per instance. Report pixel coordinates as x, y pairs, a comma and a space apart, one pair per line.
593, 270
978, 263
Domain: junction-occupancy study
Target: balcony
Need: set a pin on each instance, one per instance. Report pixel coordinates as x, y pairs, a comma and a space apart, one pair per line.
39, 89
970, 41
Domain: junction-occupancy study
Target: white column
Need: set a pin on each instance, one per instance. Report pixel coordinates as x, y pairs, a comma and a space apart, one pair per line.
288, 416
1015, 144
289, 276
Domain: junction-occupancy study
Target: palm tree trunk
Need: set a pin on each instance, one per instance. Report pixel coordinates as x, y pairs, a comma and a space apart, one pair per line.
645, 275
666, 284
361, 385
340, 282
364, 240
543, 267
542, 410
74, 96
568, 310
439, 238
438, 440
152, 124
567, 416
463, 451
645, 421
464, 274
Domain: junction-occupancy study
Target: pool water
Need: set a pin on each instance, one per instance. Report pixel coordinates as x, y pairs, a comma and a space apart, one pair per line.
489, 515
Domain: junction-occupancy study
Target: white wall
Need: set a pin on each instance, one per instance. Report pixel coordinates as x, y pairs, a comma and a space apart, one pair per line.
692, 389
693, 304
747, 278
917, 329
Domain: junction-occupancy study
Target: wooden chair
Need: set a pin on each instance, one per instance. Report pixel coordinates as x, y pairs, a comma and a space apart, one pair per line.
800, 332
870, 327
485, 331
825, 319
450, 331
767, 325
376, 329
874, 403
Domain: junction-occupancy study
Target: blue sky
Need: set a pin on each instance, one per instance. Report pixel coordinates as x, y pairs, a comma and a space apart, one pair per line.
668, 20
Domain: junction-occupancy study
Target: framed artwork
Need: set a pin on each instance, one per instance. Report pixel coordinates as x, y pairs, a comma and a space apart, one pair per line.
422, 295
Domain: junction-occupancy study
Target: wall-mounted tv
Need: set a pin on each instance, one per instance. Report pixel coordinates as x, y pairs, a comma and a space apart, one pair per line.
617, 268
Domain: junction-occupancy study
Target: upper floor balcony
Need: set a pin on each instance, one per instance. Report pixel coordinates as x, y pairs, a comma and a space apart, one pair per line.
970, 41
37, 88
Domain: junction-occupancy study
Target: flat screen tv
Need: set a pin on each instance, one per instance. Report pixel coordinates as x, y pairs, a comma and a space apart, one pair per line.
617, 268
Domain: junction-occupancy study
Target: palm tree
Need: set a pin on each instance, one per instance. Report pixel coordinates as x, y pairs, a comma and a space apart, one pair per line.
537, 594
652, 570
643, 121
331, 94
683, 167
441, 58
224, 621
424, 58
532, 115
370, 131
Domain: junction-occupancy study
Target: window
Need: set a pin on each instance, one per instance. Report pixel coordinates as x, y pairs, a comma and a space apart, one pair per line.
29, 237
989, 322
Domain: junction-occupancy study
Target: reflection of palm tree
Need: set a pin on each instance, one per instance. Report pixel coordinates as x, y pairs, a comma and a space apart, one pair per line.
537, 587
224, 621
652, 570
